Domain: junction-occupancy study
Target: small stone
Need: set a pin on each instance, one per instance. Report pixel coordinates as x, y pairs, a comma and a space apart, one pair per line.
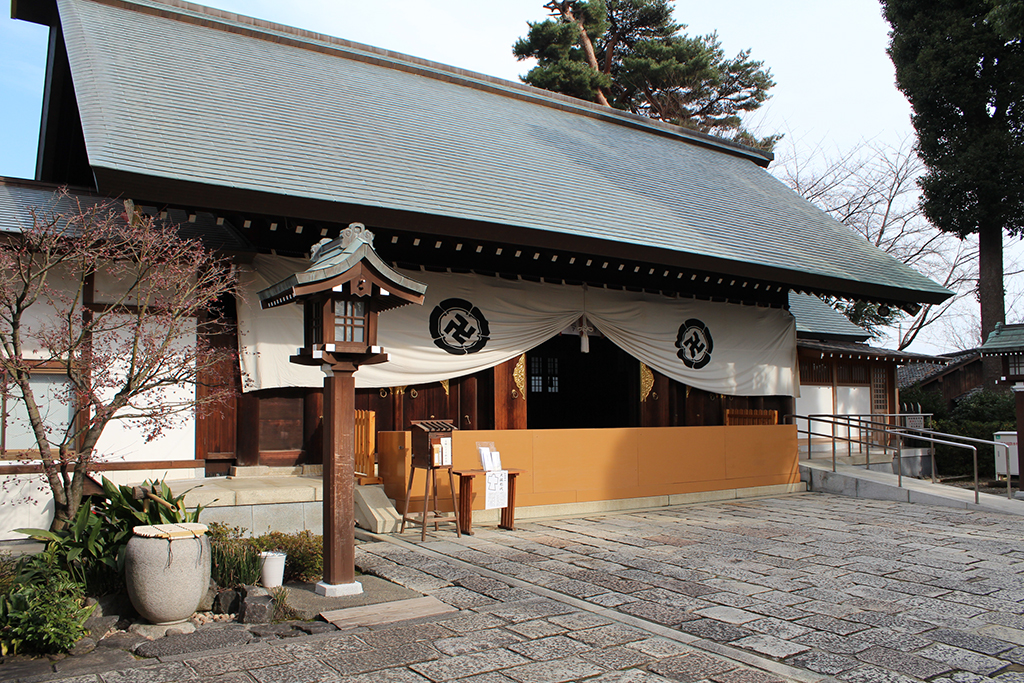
82, 647
227, 601
256, 610
315, 627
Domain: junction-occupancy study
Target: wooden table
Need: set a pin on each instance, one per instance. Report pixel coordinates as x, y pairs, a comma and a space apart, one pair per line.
508, 513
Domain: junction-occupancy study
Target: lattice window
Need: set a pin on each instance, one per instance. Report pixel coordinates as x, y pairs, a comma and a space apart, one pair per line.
850, 373
1016, 365
879, 391
815, 372
349, 322
543, 375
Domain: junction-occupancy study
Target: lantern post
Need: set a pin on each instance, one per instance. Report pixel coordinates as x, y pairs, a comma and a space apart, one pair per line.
342, 293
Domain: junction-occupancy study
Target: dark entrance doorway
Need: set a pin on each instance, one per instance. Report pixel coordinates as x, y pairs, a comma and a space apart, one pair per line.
572, 390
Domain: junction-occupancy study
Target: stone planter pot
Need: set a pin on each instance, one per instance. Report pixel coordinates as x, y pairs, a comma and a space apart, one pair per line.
167, 571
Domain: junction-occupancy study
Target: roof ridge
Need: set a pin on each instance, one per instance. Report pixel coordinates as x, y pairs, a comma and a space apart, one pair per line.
210, 17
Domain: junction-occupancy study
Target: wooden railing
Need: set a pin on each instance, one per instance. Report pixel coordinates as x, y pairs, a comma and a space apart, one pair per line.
366, 432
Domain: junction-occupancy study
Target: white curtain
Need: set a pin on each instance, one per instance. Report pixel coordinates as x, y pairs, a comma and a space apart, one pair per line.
469, 323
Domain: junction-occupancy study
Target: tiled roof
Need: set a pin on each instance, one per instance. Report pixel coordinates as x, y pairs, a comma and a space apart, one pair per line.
815, 319
18, 198
1005, 339
179, 92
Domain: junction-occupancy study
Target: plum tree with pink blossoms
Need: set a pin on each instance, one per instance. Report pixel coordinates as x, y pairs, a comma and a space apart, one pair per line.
142, 355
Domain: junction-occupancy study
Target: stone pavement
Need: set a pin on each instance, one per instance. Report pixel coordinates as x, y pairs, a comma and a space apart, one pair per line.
805, 587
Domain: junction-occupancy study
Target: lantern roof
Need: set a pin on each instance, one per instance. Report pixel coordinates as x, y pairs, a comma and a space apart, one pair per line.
337, 262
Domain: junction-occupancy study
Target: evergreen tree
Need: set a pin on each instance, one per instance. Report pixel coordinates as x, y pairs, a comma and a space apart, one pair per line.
631, 55
963, 80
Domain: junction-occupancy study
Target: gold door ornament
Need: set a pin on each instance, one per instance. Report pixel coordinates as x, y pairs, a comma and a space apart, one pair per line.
444, 385
646, 382
519, 376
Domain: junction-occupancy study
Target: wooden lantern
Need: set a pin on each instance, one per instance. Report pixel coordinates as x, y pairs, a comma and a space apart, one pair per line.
342, 293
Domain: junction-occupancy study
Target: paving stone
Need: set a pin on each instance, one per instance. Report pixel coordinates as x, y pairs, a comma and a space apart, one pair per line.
527, 609
611, 599
538, 628
770, 646
873, 674
657, 613
489, 677
744, 676
371, 659
718, 631
894, 640
969, 641
449, 668
618, 657
392, 676
830, 642
777, 627
306, 670
958, 658
97, 661
579, 620
963, 677
690, 667
912, 665
339, 645
821, 622
553, 647
1010, 677
460, 598
728, 614
823, 662
397, 636
194, 642
555, 671
630, 676
467, 622
475, 642
660, 647
606, 636
222, 663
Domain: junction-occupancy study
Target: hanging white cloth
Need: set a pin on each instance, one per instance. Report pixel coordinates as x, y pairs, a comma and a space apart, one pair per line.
469, 323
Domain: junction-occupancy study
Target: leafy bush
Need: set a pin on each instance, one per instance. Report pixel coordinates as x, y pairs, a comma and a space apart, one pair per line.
305, 551
8, 570
236, 561
44, 612
985, 406
92, 548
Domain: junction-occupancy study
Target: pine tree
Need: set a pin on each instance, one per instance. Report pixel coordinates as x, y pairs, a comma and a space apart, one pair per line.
963, 81
631, 55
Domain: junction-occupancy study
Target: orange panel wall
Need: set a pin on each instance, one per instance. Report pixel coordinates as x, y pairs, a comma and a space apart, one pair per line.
577, 465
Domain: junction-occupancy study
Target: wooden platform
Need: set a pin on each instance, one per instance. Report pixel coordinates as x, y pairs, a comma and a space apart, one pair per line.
387, 612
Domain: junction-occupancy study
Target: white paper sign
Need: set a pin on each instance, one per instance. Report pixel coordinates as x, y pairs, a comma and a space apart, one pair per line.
497, 489
446, 451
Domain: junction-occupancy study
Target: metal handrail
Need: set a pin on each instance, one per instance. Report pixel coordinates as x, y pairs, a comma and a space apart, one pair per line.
889, 429
1009, 489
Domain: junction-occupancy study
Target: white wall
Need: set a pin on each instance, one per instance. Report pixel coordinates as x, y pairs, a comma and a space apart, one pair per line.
815, 400
26, 503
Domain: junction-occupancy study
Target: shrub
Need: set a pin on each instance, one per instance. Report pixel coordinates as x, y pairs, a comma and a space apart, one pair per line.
305, 553
92, 547
8, 570
235, 563
44, 612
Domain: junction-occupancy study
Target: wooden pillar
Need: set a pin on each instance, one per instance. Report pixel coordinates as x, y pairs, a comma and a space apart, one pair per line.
1018, 392
247, 440
510, 395
312, 426
467, 408
339, 472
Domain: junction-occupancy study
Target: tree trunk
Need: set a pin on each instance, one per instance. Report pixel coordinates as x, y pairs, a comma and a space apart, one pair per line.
990, 293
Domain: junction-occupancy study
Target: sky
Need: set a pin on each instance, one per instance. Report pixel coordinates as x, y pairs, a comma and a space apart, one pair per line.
835, 86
